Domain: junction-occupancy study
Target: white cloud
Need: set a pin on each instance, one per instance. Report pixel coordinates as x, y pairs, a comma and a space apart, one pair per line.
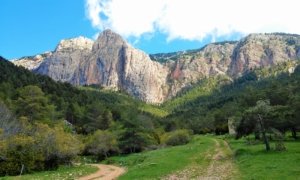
194, 19
93, 10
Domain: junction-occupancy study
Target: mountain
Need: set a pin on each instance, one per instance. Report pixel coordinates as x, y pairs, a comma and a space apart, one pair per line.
113, 64
109, 62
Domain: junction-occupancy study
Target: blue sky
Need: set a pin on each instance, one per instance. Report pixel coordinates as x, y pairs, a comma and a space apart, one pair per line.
29, 27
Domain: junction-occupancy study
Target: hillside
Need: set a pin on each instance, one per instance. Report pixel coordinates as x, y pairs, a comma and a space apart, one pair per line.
72, 103
210, 105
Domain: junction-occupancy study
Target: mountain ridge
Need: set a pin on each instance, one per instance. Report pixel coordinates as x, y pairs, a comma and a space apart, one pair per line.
115, 64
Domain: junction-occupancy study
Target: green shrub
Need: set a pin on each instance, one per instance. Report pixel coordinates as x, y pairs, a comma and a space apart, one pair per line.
40, 148
178, 137
19, 155
57, 146
102, 144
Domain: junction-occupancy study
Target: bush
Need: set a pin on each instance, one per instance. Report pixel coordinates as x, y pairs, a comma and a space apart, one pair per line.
57, 146
40, 148
102, 144
19, 156
178, 137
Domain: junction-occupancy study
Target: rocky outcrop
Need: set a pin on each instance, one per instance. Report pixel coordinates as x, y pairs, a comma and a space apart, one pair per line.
112, 63
262, 50
192, 66
31, 62
65, 60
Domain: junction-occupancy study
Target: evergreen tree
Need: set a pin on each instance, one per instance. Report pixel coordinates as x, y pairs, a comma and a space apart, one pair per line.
34, 105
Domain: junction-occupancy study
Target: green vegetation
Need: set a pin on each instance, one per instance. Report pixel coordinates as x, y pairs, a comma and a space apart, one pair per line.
203, 88
102, 144
63, 172
162, 162
255, 163
250, 159
208, 107
178, 137
36, 147
153, 110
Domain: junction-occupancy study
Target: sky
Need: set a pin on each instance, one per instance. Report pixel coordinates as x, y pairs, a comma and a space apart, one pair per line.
29, 27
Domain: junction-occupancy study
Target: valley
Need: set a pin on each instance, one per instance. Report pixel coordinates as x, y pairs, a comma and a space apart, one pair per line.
149, 90
221, 112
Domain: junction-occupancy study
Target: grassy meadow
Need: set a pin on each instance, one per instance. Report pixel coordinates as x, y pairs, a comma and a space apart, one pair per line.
254, 162
162, 162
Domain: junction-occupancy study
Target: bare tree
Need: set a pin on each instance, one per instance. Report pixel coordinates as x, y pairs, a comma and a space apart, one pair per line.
8, 123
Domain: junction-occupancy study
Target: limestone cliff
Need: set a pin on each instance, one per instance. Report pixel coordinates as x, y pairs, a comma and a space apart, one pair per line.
65, 60
114, 64
192, 66
262, 50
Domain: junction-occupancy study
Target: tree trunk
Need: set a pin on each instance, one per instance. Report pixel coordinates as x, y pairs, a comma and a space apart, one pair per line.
131, 150
257, 135
266, 141
263, 132
294, 133
22, 169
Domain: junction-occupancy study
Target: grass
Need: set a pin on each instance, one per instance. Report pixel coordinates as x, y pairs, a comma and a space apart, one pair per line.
159, 163
63, 172
251, 161
153, 110
254, 162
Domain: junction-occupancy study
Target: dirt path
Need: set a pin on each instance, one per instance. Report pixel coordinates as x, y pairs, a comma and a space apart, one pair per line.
220, 165
105, 172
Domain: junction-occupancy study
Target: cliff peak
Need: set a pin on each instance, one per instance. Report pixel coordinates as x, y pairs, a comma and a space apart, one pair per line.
75, 43
108, 37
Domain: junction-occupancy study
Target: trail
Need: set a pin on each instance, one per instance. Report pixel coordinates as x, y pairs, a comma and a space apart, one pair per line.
105, 172
220, 166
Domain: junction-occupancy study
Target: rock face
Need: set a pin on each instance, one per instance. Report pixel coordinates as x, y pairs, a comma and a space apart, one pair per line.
230, 59
66, 58
190, 67
109, 62
114, 64
261, 50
